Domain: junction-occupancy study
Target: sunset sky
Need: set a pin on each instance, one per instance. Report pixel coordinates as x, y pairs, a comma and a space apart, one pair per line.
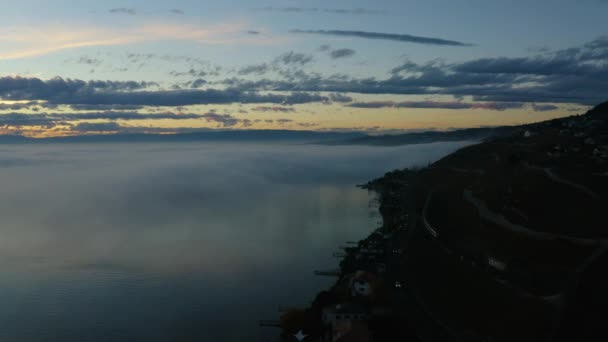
88, 67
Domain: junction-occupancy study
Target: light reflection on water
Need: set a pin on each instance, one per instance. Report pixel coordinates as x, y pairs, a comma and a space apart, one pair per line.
119, 242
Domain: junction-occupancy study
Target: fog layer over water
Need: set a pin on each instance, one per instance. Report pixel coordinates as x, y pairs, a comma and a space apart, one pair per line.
129, 242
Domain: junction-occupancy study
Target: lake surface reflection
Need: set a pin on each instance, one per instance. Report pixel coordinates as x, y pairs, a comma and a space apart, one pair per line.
140, 242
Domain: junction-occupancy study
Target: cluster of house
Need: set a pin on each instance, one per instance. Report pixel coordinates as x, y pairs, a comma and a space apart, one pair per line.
349, 321
578, 128
601, 152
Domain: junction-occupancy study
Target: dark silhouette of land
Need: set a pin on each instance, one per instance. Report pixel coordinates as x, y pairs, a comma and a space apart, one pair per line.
505, 240
467, 134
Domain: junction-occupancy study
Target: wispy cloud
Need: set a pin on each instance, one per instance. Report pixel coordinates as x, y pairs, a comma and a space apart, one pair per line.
274, 109
123, 10
341, 53
96, 127
355, 11
499, 106
294, 58
406, 38
544, 107
29, 41
134, 11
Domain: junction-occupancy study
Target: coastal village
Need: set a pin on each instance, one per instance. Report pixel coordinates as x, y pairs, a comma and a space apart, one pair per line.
467, 250
366, 302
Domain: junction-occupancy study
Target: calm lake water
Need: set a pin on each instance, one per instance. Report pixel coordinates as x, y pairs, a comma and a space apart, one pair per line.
168, 242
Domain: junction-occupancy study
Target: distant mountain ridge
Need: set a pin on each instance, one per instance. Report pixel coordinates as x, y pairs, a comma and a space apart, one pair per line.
325, 138
476, 134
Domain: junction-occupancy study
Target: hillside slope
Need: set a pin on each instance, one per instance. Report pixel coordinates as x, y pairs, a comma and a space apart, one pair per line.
510, 233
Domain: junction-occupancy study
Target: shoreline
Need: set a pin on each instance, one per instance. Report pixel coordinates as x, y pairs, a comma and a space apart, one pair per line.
374, 264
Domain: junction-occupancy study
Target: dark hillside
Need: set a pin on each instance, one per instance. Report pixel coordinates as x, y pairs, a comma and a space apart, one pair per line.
507, 232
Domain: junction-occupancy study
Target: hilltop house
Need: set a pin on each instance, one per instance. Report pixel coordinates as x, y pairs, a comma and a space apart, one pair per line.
360, 284
360, 288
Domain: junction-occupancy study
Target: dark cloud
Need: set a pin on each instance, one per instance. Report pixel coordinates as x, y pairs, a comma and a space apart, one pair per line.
22, 88
255, 69
199, 82
191, 72
96, 127
274, 109
76, 92
589, 59
499, 106
19, 119
197, 66
123, 10
373, 104
224, 120
539, 65
300, 98
576, 75
176, 11
422, 83
285, 64
80, 121
341, 53
283, 121
337, 97
324, 47
43, 119
253, 32
104, 107
246, 123
293, 58
544, 107
384, 36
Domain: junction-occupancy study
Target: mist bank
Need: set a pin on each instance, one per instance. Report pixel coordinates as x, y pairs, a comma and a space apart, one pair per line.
310, 137
467, 134
177, 241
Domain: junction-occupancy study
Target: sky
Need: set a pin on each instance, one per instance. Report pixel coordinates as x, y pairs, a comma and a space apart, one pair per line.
91, 67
